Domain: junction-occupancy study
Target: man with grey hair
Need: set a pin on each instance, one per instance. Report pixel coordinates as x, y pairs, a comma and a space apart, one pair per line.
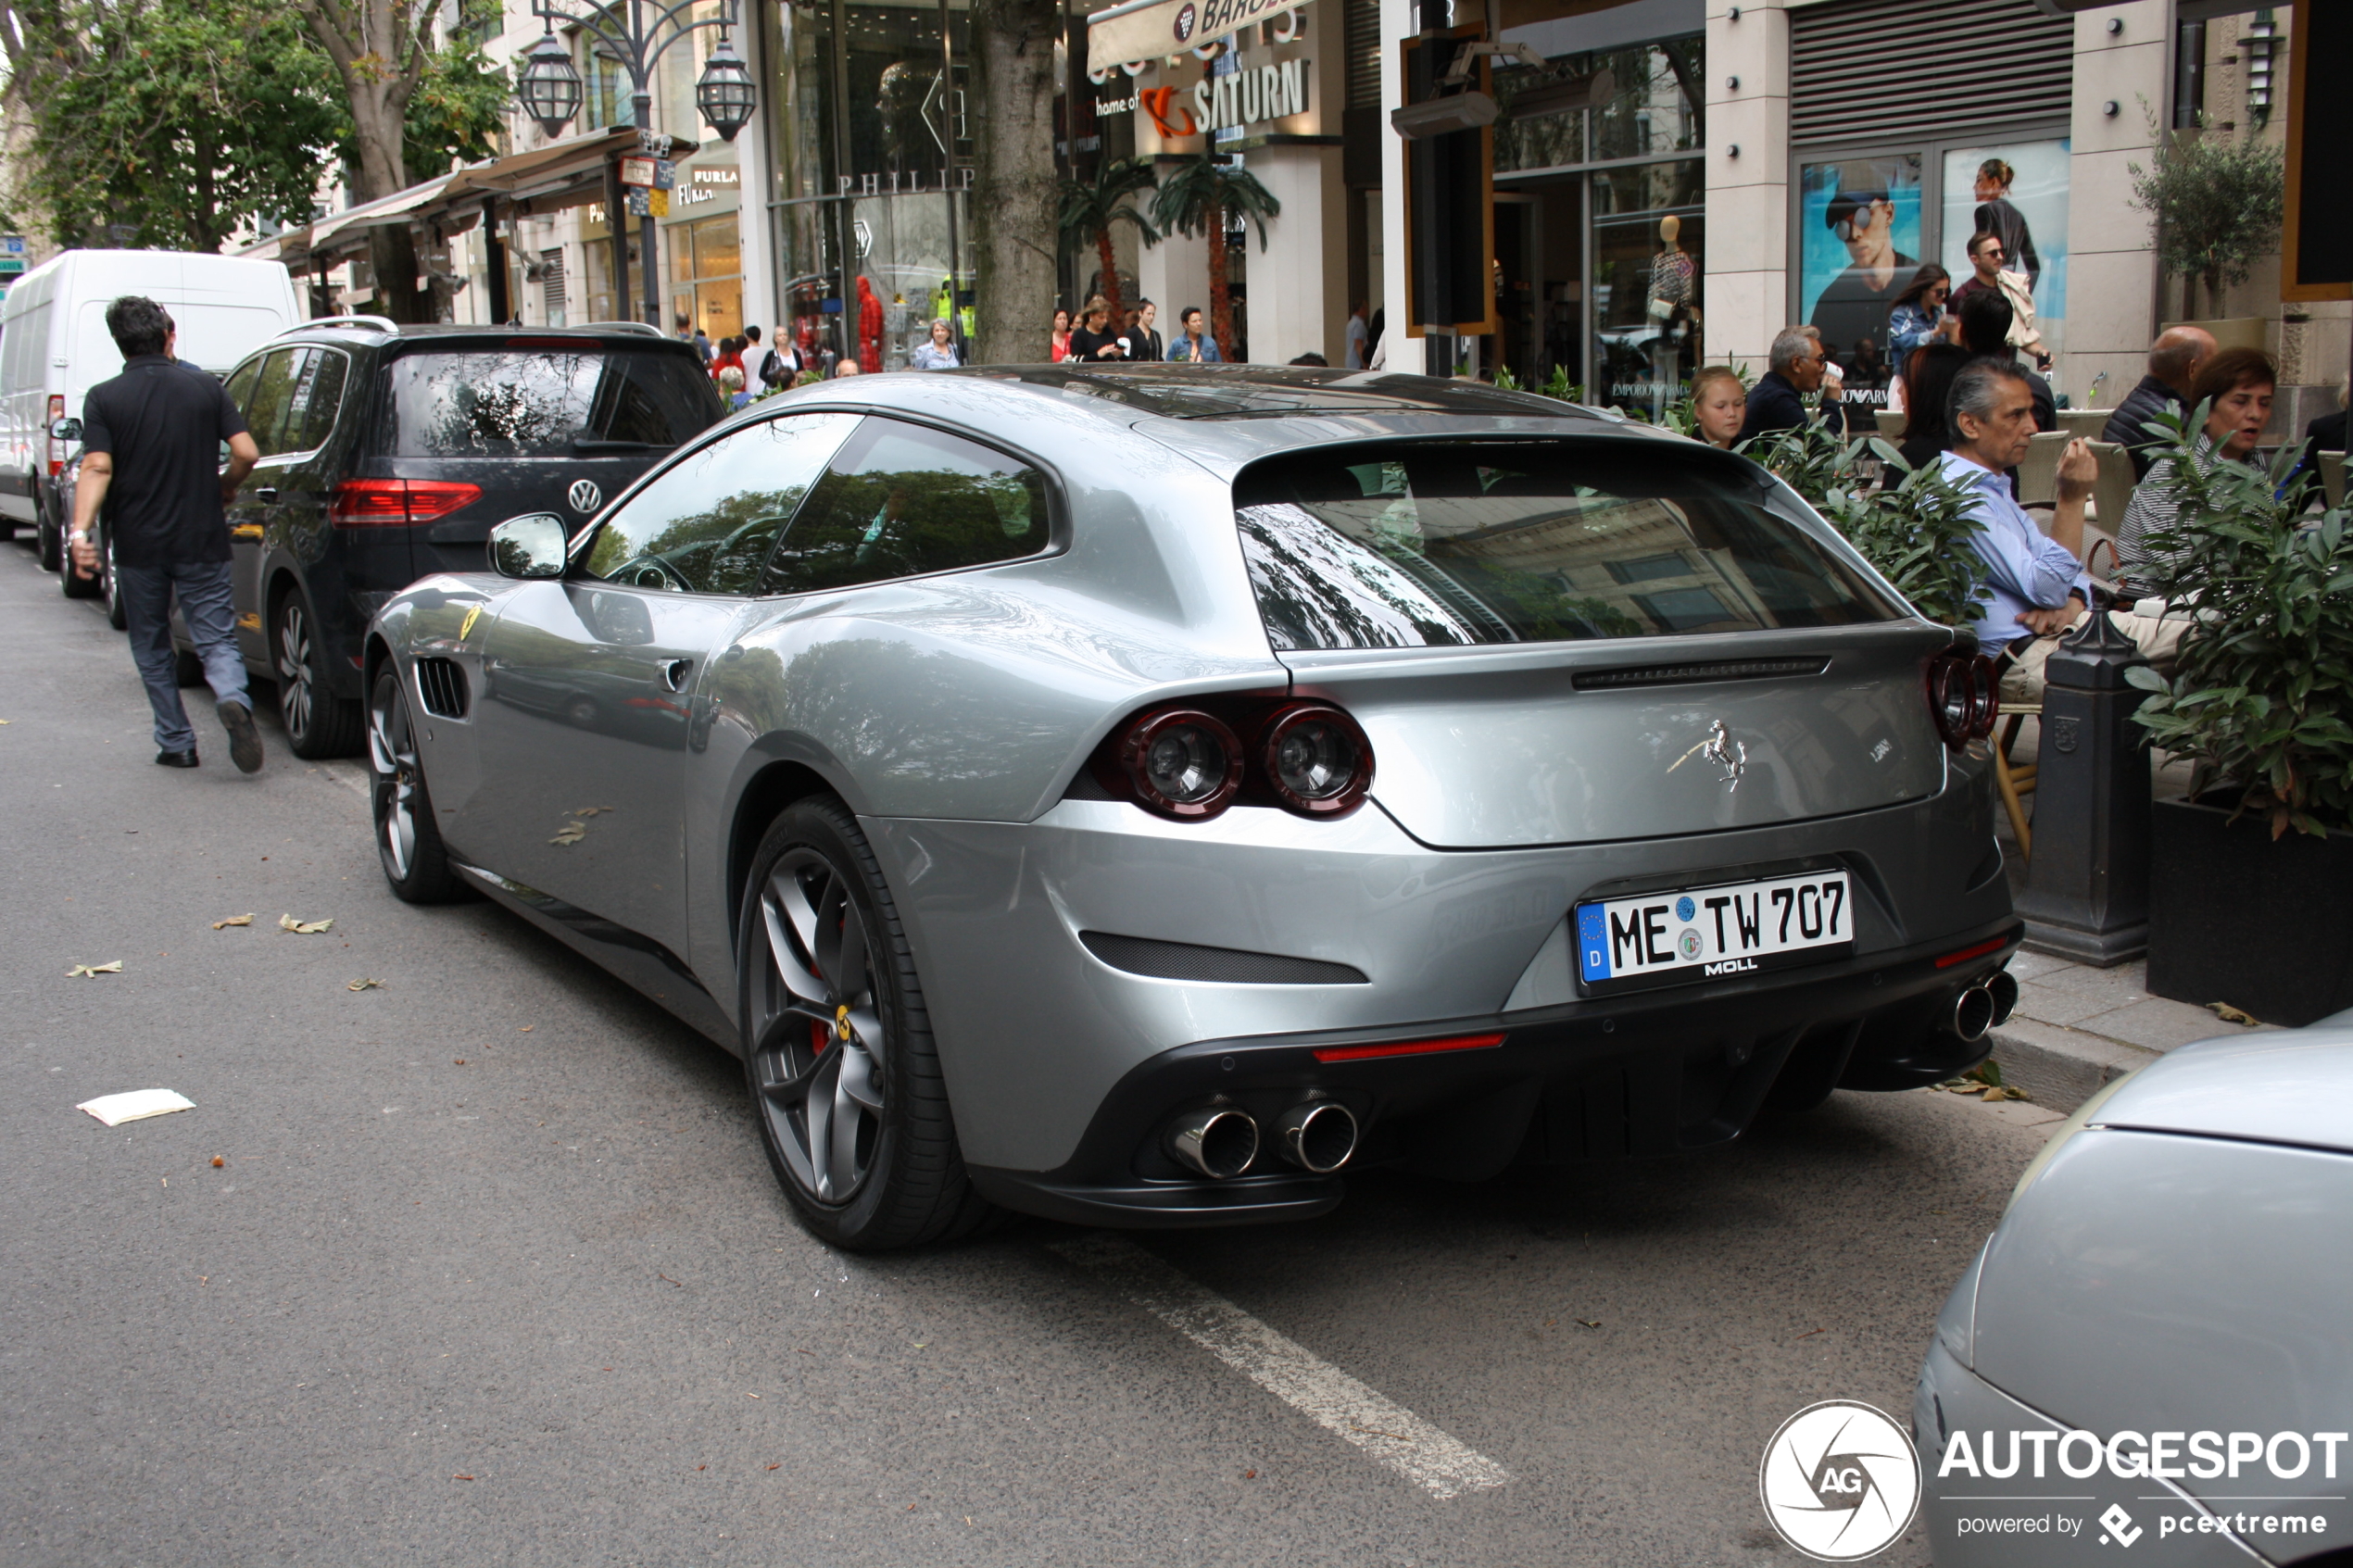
1799, 366
2038, 583
2174, 360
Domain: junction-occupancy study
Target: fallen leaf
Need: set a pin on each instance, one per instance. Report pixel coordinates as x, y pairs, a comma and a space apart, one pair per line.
232, 920
798, 1352
303, 928
526, 1029
461, 1477
365, 985
659, 1274
1247, 1475
1811, 1331
1589, 1322
88, 970
752, 1396
2229, 1014
780, 1464
592, 811
573, 833
703, 1467
457, 1062
218, 1163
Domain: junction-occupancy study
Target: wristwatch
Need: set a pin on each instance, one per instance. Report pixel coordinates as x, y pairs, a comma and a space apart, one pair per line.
79, 536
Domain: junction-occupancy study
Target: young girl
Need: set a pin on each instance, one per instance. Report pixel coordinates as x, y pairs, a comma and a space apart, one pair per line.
1719, 402
1061, 337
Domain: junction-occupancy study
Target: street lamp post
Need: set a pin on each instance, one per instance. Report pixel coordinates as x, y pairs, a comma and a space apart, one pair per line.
633, 33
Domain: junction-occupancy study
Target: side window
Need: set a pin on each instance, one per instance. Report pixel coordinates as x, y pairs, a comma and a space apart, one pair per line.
314, 400
709, 523
240, 386
272, 389
902, 500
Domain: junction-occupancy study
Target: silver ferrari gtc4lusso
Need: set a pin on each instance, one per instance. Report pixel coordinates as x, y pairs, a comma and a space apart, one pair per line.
1133, 795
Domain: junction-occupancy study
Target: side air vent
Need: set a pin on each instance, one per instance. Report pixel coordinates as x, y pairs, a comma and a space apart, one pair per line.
441, 686
1220, 966
1694, 674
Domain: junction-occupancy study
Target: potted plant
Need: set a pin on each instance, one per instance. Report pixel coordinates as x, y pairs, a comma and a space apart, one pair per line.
2250, 872
2216, 203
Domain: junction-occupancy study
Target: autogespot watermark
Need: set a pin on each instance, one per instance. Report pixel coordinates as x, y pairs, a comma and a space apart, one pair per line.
2270, 1490
1839, 1481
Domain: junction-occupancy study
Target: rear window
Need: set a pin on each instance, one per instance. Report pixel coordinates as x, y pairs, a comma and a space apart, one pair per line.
536, 402
1428, 545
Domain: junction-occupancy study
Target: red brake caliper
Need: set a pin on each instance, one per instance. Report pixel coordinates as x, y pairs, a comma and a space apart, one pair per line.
820, 1035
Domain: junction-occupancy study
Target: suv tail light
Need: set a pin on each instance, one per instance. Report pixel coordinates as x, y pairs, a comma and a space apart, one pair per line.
376, 503
1964, 697
1189, 763
56, 448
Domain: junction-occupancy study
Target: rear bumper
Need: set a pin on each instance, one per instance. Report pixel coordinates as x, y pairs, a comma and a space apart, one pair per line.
1655, 1072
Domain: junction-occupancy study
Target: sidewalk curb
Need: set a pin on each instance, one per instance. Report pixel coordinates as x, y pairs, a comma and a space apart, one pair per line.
2062, 1068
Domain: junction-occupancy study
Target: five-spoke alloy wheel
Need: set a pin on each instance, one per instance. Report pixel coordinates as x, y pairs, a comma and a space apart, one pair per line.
319, 723
408, 840
838, 1053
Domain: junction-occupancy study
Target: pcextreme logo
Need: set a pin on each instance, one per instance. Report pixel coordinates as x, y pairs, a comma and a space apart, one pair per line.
1839, 1481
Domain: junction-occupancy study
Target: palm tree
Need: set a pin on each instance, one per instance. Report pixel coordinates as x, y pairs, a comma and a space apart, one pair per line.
1090, 209
1200, 198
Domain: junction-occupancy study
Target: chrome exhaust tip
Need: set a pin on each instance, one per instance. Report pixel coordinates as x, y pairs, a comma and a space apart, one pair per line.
1319, 1135
1973, 1013
1216, 1140
2003, 990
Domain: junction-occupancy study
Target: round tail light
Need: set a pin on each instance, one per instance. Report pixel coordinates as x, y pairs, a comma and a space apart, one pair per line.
1985, 695
1964, 696
1316, 761
1180, 762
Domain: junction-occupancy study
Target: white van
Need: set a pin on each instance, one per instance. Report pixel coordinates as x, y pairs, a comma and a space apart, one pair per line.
54, 347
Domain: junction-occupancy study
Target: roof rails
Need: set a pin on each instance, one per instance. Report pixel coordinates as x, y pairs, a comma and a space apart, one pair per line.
645, 327
375, 323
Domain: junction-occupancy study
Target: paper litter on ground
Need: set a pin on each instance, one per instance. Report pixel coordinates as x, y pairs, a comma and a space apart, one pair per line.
115, 1110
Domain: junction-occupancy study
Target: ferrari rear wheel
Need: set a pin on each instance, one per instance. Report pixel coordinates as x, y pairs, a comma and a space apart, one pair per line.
408, 839
844, 1080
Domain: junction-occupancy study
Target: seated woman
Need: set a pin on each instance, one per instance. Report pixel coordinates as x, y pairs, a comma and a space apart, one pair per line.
2235, 388
1928, 382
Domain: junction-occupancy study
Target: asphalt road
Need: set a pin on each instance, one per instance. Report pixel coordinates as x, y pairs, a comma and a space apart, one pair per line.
492, 1269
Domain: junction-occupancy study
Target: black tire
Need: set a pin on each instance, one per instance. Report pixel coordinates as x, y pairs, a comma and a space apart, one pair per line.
319, 723
408, 834
52, 541
890, 1174
118, 615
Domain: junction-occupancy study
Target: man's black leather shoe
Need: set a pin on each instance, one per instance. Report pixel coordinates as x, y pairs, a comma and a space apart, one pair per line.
176, 759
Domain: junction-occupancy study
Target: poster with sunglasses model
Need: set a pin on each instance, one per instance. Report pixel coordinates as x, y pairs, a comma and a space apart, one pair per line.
1859, 244
2028, 210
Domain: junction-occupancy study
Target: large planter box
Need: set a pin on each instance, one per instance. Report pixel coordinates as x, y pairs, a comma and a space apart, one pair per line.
2238, 917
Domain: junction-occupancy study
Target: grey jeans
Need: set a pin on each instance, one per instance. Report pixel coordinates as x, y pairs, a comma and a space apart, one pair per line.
209, 609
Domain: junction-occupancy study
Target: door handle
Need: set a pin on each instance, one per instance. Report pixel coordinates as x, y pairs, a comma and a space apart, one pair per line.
267, 493
674, 672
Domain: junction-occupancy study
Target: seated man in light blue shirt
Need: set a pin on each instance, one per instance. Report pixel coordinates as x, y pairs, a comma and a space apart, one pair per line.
2039, 586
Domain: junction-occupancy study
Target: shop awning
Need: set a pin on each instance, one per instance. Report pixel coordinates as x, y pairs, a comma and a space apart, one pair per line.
1148, 30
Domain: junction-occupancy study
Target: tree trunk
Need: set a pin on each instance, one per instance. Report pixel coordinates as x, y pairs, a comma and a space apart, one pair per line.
374, 45
1111, 278
1016, 194
1221, 299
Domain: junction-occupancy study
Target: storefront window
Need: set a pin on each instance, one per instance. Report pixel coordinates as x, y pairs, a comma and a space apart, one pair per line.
1658, 107
1649, 232
895, 204
706, 260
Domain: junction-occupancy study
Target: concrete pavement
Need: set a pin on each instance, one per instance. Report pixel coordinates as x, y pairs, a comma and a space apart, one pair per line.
493, 1270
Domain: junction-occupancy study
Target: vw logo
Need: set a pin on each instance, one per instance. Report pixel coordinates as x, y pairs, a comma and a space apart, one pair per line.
584, 496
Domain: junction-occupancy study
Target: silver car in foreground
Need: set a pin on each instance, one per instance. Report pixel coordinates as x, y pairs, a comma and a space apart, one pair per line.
1133, 795
2155, 1346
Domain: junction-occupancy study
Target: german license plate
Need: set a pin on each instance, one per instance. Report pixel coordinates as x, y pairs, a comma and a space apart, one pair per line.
1711, 932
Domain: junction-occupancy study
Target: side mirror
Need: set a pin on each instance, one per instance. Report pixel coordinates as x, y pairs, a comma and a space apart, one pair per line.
532, 546
66, 430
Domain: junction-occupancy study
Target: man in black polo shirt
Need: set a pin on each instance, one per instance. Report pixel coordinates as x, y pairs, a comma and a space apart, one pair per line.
151, 441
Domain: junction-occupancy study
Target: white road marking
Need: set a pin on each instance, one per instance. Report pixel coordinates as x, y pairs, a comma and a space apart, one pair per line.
1384, 1429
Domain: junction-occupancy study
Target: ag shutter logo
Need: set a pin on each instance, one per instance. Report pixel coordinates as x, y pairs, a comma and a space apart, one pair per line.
1839, 1481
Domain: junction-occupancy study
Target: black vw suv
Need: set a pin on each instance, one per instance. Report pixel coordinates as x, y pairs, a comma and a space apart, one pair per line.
388, 453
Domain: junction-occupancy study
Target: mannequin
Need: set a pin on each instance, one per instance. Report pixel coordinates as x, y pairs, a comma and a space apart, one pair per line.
1673, 313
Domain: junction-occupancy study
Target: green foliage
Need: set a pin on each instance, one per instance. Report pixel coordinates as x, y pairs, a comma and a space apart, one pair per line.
1915, 532
2217, 204
175, 118
1091, 208
2257, 694
1204, 193
181, 121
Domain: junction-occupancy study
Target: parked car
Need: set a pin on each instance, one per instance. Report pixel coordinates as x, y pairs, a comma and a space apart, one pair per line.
386, 454
54, 347
1135, 795
2152, 1344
